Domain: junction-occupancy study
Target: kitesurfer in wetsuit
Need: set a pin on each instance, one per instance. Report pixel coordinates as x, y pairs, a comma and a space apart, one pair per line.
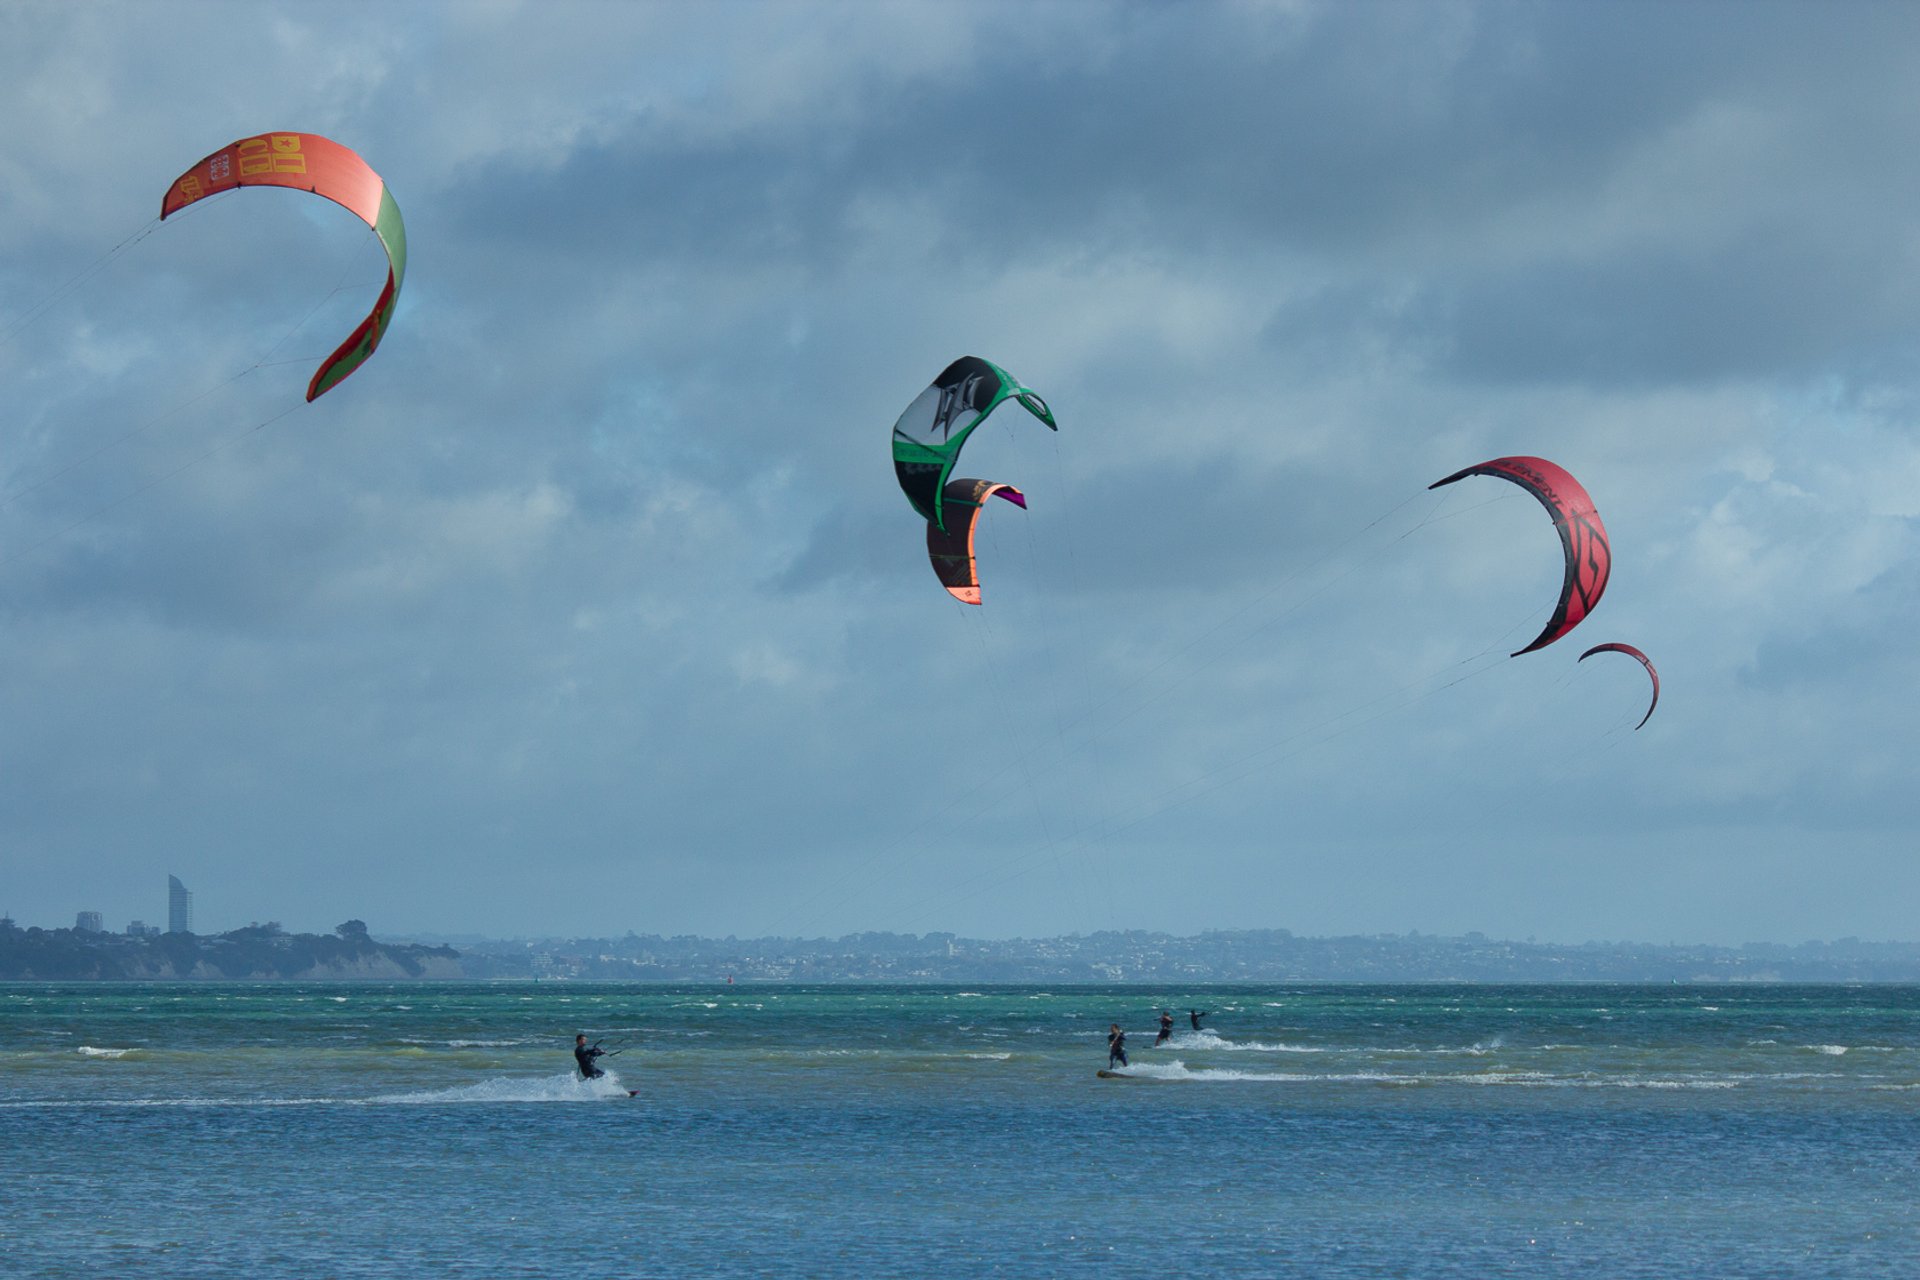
585, 1054
1194, 1016
1116, 1045
1166, 1028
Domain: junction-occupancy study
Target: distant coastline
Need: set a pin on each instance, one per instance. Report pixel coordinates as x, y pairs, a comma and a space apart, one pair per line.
1144, 957
268, 953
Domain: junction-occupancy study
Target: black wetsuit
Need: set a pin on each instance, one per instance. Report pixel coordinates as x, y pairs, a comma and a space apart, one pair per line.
1117, 1048
585, 1056
1194, 1017
1166, 1029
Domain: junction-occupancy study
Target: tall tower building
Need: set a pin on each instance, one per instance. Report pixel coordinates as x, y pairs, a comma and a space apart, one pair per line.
179, 907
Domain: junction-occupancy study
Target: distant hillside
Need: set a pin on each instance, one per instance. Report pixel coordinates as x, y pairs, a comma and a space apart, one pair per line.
264, 952
1140, 956
1135, 957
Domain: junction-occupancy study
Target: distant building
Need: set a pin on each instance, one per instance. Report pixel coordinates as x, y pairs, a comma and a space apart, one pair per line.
179, 907
141, 929
88, 922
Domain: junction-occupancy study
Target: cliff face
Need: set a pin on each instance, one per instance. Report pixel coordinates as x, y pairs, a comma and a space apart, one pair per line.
423, 966
256, 953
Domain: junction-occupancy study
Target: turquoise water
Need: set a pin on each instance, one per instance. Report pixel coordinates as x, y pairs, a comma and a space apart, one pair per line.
370, 1130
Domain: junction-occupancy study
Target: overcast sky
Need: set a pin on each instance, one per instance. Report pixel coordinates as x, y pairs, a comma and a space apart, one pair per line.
590, 602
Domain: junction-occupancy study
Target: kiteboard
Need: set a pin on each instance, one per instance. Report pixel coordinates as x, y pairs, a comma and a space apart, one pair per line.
1115, 1075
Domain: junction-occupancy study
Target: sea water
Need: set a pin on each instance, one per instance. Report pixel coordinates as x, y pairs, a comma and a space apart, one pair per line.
1326, 1131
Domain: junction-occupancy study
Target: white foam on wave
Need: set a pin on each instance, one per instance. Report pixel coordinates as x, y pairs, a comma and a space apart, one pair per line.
90, 1051
1476, 1050
1205, 1039
564, 1087
54, 1104
1837, 1049
1528, 1078
1177, 1070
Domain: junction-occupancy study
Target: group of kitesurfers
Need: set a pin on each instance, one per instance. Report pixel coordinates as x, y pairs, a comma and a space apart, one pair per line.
1117, 1039
584, 1053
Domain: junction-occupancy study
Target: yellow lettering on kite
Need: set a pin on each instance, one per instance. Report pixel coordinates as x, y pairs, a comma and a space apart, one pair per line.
277, 153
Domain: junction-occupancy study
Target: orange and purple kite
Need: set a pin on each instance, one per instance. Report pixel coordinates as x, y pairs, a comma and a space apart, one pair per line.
951, 549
